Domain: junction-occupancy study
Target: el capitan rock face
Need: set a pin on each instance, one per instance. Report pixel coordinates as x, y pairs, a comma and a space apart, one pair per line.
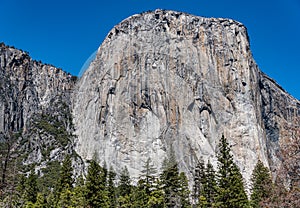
165, 78
160, 80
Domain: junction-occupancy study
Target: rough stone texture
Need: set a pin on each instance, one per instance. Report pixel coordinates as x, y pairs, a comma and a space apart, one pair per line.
165, 78
27, 87
160, 79
32, 97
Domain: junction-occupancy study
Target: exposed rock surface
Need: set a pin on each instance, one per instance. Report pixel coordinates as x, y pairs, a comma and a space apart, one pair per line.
27, 87
35, 117
165, 78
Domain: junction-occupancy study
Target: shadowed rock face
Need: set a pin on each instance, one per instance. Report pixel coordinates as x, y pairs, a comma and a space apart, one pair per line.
30, 92
165, 78
28, 87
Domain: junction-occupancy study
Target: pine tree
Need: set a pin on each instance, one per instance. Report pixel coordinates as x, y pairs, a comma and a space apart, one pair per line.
28, 204
6, 162
170, 180
148, 176
261, 184
69, 199
64, 186
50, 178
238, 196
209, 186
96, 193
124, 186
145, 185
31, 190
184, 191
124, 189
73, 197
21, 189
199, 180
66, 174
139, 196
124, 201
231, 193
111, 189
41, 201
51, 200
156, 198
79, 193
105, 174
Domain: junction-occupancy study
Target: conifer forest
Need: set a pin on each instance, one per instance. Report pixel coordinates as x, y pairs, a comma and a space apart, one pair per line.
222, 187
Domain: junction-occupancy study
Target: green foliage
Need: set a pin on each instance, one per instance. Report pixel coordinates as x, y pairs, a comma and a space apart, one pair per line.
124, 187
79, 193
66, 173
21, 184
147, 193
156, 198
31, 189
41, 201
111, 190
230, 192
70, 198
170, 180
208, 187
96, 194
65, 198
51, 200
124, 201
53, 126
50, 177
148, 176
29, 204
174, 185
261, 184
139, 196
199, 180
10, 163
223, 188
63, 190
184, 191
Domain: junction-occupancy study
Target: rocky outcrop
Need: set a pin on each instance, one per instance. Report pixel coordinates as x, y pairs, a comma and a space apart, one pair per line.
27, 87
167, 79
281, 120
35, 118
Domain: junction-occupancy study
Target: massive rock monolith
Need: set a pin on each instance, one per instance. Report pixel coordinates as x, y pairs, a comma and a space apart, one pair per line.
167, 79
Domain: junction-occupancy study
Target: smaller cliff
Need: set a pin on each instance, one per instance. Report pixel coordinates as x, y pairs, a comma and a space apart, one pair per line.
281, 121
35, 119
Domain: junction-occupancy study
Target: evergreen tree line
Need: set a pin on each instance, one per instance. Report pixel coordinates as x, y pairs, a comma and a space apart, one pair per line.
102, 187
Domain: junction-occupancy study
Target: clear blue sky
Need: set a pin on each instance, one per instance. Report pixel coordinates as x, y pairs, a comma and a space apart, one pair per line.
66, 32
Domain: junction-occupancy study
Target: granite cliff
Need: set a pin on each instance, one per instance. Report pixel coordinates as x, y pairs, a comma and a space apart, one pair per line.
160, 80
35, 118
167, 79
